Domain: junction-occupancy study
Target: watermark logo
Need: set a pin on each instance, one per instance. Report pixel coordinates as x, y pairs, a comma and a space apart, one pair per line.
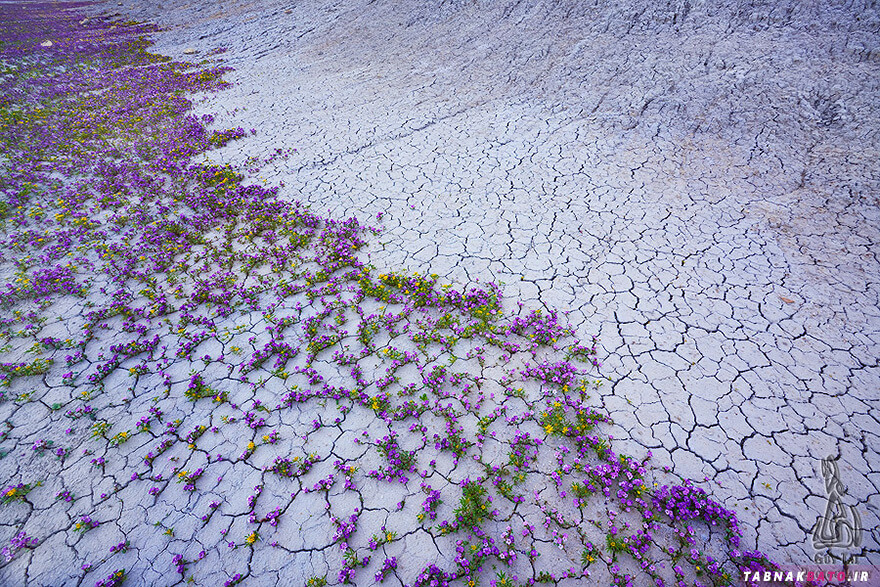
840, 526
790, 576
836, 533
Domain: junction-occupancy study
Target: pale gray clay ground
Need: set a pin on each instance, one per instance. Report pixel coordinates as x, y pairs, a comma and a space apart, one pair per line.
696, 183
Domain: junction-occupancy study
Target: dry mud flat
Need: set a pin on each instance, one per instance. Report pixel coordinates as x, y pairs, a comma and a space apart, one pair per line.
696, 184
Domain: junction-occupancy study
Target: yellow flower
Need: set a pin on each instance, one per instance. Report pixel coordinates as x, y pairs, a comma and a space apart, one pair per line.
251, 446
10, 493
251, 538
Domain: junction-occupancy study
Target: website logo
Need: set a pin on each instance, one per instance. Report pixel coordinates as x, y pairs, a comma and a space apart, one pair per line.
841, 526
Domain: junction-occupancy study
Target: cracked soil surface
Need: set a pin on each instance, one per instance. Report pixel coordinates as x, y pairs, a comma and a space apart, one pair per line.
694, 183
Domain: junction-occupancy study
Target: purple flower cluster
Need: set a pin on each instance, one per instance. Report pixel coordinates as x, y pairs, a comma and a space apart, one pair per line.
388, 565
344, 529
114, 579
685, 503
400, 462
431, 503
561, 373
85, 524
16, 543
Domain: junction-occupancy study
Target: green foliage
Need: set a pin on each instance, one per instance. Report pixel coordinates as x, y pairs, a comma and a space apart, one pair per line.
589, 555
474, 506
616, 545
18, 492
99, 429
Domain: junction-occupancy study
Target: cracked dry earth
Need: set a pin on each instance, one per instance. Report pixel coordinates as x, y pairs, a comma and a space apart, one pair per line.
697, 185
700, 189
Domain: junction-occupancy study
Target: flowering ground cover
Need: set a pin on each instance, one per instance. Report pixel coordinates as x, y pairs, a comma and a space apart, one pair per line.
203, 382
